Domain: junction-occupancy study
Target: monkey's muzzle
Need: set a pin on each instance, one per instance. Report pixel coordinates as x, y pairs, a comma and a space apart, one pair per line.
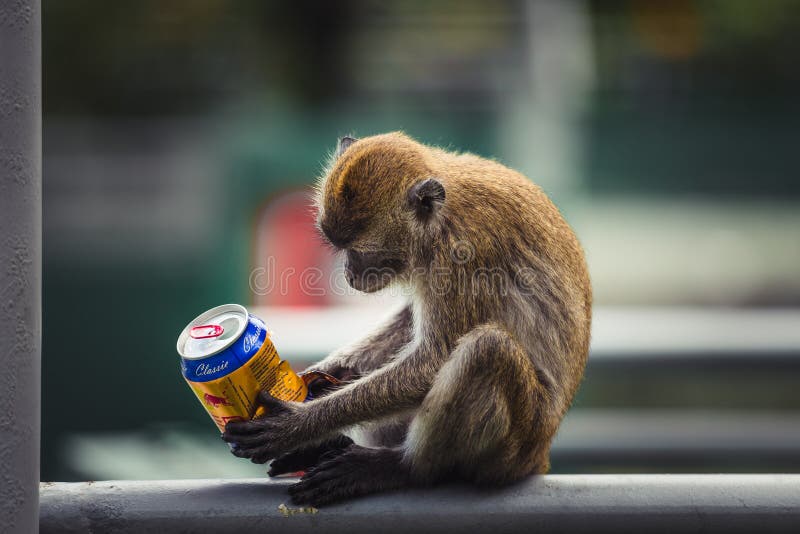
371, 271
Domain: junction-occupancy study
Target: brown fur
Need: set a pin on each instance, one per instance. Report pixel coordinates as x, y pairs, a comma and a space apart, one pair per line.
484, 360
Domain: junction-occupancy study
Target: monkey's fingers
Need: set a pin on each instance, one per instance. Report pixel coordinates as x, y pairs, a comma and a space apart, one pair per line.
259, 448
273, 405
243, 428
235, 429
249, 441
257, 455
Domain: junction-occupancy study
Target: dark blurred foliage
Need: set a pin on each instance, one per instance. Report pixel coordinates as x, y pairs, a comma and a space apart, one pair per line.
682, 49
166, 57
696, 98
171, 57
689, 97
176, 57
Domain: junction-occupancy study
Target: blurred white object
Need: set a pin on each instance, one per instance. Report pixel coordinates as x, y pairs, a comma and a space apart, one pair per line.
305, 334
628, 437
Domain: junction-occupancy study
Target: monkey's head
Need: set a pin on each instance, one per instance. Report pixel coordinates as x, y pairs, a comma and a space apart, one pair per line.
377, 203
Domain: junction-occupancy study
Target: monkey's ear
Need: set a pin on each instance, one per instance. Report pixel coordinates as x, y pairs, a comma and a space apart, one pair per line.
344, 144
426, 197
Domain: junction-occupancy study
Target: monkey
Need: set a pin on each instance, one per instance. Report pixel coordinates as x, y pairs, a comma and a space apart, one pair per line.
471, 377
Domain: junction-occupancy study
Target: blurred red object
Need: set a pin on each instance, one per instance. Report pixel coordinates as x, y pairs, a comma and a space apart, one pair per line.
292, 266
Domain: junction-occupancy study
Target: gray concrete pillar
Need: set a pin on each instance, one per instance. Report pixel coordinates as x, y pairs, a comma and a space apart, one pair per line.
20, 263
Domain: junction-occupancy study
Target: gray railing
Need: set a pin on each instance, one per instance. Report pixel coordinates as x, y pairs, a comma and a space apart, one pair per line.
555, 503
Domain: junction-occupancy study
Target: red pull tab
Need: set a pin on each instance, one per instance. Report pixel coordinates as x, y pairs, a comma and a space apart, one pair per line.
206, 331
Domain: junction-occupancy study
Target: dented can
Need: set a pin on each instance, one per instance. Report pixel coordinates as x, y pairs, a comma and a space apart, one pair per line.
227, 358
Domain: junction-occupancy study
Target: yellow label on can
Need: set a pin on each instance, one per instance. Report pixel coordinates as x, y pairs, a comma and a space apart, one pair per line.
233, 396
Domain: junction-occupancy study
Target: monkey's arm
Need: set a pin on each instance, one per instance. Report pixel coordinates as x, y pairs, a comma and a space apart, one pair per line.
372, 352
346, 364
394, 388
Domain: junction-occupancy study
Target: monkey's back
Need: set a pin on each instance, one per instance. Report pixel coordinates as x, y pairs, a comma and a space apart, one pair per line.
511, 223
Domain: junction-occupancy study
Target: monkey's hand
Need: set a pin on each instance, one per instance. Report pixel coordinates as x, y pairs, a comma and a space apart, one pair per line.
337, 368
282, 429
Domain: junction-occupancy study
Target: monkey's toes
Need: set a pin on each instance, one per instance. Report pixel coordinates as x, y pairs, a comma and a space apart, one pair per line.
307, 457
291, 462
328, 483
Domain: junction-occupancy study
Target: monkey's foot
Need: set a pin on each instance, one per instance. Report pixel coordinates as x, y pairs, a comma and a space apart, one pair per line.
306, 457
356, 471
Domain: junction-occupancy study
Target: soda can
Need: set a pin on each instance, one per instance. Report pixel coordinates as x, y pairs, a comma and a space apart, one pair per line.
227, 358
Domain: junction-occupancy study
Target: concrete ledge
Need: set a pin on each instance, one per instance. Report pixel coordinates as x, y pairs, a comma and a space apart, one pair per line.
554, 503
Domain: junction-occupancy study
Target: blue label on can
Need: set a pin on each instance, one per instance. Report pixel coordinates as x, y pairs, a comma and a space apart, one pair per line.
230, 359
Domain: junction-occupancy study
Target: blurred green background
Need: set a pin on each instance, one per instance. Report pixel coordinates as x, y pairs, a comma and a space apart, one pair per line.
667, 132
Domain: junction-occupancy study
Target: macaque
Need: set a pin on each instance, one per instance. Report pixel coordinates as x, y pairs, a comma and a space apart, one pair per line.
471, 378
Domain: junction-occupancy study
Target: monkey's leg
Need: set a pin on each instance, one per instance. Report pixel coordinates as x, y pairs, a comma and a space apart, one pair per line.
485, 419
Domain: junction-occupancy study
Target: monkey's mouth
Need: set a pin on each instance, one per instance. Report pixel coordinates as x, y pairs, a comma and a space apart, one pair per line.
371, 271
